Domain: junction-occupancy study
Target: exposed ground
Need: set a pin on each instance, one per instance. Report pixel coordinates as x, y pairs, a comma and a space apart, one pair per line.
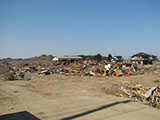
59, 97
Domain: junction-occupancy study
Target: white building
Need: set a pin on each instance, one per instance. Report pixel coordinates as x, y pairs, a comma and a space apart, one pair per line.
67, 58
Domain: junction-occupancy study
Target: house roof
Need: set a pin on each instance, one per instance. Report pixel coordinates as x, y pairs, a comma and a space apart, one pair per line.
67, 58
143, 55
70, 57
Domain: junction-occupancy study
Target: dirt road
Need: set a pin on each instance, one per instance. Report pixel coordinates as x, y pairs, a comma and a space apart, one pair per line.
59, 97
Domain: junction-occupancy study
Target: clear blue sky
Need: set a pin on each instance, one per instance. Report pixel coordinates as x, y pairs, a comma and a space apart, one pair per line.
31, 28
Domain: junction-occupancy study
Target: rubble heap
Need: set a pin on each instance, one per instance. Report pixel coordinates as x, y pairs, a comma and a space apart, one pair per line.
139, 93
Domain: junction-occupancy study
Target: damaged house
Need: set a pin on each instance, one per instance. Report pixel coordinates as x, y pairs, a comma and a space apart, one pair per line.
143, 58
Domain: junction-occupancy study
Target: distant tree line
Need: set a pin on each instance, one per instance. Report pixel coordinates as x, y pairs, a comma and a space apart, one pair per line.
99, 57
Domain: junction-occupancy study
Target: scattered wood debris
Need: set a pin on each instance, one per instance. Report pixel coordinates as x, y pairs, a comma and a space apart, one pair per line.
139, 93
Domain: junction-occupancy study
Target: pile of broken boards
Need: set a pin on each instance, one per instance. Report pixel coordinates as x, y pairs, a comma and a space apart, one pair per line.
150, 96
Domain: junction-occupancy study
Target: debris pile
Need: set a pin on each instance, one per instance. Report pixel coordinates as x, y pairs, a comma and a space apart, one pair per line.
80, 68
139, 93
88, 68
15, 74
